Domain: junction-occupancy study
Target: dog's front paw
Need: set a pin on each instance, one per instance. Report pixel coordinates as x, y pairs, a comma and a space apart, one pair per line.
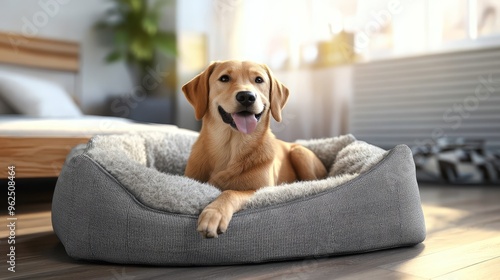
213, 222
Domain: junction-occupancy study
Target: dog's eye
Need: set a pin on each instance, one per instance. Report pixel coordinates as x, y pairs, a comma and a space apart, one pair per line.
224, 78
259, 80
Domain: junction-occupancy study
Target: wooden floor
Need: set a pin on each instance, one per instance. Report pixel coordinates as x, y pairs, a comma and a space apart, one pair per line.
463, 242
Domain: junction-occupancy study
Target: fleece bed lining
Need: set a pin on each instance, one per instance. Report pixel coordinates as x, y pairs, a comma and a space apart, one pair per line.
123, 199
151, 167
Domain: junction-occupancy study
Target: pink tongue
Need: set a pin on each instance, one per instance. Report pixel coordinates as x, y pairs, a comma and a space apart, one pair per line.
245, 123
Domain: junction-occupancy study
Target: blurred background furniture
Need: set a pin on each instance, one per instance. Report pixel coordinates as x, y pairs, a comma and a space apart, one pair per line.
38, 85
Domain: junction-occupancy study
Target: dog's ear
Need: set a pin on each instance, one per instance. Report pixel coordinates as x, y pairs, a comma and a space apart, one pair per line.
196, 91
278, 95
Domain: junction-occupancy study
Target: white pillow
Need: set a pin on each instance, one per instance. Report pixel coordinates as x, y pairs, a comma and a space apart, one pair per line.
36, 97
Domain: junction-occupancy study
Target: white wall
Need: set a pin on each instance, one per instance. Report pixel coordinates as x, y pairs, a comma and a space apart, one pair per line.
194, 18
73, 20
318, 104
319, 98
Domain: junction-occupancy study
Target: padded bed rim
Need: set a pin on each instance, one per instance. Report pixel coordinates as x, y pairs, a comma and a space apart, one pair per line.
74, 240
251, 210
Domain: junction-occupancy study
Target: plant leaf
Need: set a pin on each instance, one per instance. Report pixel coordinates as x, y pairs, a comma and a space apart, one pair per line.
142, 49
137, 5
150, 25
114, 56
166, 43
121, 38
136, 31
160, 3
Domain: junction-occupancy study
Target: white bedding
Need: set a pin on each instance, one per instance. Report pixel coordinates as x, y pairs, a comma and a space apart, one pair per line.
84, 126
36, 97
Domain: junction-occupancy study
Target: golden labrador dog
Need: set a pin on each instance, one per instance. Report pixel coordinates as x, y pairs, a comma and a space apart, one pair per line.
236, 150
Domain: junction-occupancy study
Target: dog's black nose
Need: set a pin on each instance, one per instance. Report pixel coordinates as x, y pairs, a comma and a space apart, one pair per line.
246, 98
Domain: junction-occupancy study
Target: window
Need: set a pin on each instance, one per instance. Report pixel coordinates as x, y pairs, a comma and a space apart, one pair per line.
317, 33
488, 18
454, 19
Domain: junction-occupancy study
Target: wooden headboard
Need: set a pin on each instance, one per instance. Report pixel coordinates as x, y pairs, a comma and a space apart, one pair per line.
33, 56
39, 52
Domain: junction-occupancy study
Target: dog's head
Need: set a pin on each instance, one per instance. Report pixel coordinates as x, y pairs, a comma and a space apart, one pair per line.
238, 93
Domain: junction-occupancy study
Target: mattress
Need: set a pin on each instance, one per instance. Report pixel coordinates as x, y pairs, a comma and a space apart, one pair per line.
21, 126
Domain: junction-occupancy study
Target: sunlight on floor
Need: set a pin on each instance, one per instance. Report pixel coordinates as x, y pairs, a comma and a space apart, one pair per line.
437, 218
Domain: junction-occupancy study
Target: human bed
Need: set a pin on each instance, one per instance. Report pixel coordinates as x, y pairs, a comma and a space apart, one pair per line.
40, 119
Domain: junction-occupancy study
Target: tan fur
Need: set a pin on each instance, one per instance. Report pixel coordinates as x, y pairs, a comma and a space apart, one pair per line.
237, 163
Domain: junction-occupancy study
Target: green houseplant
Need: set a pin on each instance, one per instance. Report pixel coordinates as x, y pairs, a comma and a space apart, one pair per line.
134, 29
136, 35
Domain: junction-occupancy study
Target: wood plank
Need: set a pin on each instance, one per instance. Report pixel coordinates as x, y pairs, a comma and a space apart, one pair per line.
453, 237
443, 218
484, 270
378, 273
31, 223
39, 52
36, 157
447, 261
455, 196
350, 265
464, 246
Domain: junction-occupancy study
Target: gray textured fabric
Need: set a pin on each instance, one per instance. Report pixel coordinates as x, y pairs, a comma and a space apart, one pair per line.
97, 217
151, 165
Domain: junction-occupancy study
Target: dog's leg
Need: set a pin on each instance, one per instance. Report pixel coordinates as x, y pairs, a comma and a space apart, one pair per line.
214, 219
198, 166
306, 164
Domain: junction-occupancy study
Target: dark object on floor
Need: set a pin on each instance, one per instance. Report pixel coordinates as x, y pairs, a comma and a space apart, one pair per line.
457, 161
32, 190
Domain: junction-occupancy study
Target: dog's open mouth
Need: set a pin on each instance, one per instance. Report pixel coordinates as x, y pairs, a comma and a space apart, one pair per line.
243, 121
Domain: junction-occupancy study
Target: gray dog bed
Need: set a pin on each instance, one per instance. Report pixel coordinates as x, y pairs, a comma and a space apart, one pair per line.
123, 199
